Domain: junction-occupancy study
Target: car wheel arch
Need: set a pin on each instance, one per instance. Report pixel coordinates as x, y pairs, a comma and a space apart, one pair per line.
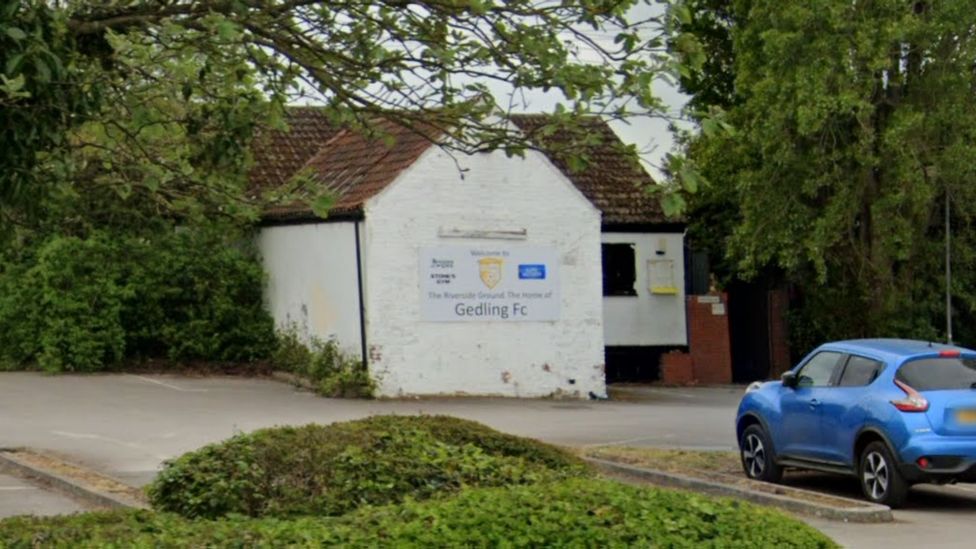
865, 437
753, 419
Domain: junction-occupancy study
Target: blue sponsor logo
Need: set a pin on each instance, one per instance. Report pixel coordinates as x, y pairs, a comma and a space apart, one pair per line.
532, 272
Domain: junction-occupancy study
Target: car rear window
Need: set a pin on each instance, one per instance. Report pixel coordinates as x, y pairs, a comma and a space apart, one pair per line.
860, 371
934, 374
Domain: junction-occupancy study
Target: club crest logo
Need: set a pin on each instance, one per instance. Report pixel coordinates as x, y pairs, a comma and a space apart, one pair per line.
490, 269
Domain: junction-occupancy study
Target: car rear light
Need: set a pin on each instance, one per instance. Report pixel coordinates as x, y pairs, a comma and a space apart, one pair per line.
950, 353
923, 462
913, 402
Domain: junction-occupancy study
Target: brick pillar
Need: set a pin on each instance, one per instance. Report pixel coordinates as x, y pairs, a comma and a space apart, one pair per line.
779, 347
708, 338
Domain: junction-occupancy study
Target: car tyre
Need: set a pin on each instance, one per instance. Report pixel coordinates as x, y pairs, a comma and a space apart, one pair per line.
758, 459
880, 479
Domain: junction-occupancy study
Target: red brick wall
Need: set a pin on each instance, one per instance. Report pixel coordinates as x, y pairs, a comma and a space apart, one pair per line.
708, 338
677, 368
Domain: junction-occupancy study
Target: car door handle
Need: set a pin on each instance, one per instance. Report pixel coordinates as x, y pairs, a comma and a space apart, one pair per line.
814, 403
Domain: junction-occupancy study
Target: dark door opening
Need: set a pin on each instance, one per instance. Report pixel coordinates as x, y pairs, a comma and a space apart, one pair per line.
749, 331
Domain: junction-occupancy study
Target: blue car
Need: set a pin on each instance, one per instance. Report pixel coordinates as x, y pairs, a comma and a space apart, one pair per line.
890, 412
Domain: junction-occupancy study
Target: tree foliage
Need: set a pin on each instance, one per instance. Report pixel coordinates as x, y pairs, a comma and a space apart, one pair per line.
155, 100
854, 123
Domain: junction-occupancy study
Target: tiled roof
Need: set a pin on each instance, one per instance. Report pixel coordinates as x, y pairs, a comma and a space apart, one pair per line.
357, 167
278, 155
612, 181
353, 166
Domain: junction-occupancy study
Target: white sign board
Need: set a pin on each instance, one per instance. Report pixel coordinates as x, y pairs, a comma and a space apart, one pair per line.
490, 283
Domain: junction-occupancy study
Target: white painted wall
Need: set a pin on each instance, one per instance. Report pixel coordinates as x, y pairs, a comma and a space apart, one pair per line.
312, 282
648, 319
519, 359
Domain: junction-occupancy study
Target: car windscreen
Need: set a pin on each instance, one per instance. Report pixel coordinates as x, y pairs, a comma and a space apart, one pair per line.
935, 374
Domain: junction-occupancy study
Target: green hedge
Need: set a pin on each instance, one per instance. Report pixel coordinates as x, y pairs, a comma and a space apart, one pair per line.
331, 470
569, 513
86, 304
61, 306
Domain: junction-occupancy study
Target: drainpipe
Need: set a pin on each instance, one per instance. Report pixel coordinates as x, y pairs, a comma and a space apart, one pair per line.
362, 303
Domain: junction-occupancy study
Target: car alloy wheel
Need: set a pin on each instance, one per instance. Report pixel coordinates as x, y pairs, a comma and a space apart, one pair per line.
754, 456
876, 475
881, 481
758, 459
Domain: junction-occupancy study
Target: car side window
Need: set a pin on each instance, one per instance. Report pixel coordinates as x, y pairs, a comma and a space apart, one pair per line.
860, 371
818, 371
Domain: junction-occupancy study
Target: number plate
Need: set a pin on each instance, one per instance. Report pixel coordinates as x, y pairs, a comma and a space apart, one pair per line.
966, 416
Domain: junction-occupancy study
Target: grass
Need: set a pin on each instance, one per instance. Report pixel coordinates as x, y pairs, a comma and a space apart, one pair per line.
671, 460
723, 467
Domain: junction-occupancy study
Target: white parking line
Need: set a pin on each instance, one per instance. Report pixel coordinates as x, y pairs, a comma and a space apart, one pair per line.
167, 385
91, 436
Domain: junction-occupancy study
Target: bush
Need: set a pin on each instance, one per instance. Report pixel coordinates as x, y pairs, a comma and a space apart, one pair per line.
63, 311
331, 372
86, 304
197, 295
568, 513
331, 470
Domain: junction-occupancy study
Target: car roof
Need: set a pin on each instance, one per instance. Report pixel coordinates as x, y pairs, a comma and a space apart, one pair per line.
891, 350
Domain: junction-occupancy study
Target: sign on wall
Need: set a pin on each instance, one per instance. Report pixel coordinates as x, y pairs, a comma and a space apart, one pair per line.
490, 283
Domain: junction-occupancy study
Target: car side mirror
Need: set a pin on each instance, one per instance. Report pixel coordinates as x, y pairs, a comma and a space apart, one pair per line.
789, 379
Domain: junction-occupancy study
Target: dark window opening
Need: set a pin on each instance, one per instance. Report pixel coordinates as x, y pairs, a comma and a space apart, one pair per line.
619, 269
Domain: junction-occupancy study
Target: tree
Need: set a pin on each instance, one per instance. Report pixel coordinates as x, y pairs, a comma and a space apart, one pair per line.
706, 26
854, 122
155, 99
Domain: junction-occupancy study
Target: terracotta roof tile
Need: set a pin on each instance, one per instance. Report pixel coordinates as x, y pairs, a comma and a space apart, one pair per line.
611, 180
278, 155
356, 167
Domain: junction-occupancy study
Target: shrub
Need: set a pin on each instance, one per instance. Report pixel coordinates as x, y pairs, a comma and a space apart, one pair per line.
568, 513
85, 304
331, 372
330, 470
197, 295
63, 311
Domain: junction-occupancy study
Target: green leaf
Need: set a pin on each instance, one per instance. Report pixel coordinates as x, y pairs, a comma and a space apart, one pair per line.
226, 29
15, 33
43, 71
683, 14
323, 204
12, 86
673, 204
690, 178
710, 127
13, 63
